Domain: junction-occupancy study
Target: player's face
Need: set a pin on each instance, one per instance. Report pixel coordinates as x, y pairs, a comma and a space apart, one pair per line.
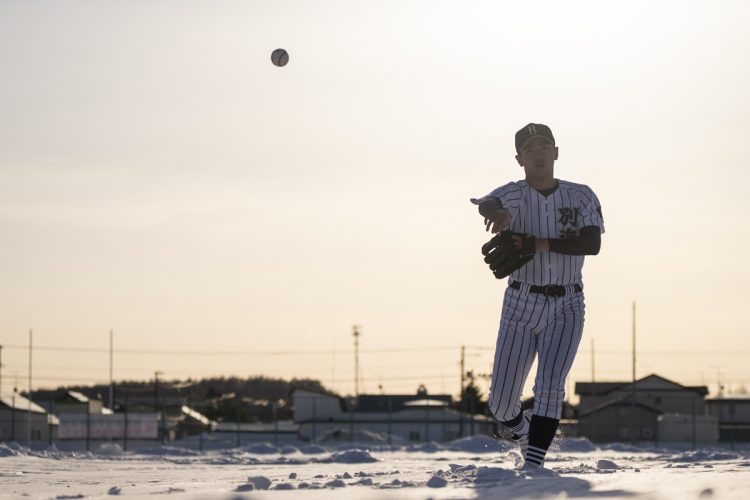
538, 158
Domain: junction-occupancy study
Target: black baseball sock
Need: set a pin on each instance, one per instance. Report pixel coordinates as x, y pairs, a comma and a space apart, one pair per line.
514, 421
518, 425
541, 432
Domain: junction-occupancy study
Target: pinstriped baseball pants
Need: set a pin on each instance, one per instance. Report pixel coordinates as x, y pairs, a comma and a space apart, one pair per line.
534, 325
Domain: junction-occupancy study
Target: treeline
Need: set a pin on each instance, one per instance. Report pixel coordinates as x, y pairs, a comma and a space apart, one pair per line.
248, 399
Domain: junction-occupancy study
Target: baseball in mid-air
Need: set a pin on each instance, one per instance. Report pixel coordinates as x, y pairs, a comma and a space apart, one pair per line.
280, 57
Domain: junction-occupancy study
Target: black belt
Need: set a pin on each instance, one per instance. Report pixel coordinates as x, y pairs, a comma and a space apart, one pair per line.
546, 290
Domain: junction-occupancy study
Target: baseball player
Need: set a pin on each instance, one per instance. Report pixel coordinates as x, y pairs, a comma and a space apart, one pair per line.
552, 224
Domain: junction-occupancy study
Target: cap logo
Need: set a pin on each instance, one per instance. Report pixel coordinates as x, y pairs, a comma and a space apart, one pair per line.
532, 129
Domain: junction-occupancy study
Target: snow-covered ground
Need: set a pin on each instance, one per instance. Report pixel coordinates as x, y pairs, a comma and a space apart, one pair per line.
471, 468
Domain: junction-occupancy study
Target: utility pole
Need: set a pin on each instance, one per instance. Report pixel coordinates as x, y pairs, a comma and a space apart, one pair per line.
461, 393
634, 343
632, 402
157, 406
355, 332
719, 385
28, 419
593, 389
111, 382
463, 371
593, 365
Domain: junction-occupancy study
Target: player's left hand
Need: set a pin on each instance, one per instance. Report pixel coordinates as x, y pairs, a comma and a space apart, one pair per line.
525, 244
502, 255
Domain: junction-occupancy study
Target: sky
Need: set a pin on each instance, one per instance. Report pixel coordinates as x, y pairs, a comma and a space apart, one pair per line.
160, 178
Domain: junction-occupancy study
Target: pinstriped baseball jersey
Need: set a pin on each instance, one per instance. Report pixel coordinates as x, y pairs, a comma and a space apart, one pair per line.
560, 214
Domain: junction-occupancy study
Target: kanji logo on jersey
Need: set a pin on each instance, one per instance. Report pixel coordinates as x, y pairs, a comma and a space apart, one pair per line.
569, 221
568, 216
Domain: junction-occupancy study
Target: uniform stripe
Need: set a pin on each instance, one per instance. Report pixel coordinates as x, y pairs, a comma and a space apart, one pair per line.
535, 455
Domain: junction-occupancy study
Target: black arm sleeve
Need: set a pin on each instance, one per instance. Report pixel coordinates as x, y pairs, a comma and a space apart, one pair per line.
588, 242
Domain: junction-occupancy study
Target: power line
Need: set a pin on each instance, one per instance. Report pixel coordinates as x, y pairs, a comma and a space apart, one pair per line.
328, 352
231, 353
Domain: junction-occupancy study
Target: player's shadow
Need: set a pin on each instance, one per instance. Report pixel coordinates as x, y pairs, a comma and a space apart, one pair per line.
553, 486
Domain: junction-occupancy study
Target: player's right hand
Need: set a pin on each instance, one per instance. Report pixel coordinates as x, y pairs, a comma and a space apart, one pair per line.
498, 221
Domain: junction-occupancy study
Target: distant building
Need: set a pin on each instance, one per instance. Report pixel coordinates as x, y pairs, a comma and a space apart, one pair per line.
652, 409
125, 427
192, 422
611, 421
653, 390
733, 414
413, 418
76, 403
15, 411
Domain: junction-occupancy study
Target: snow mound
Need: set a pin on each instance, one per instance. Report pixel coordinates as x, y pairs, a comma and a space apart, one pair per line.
437, 482
259, 482
482, 475
479, 444
285, 461
362, 436
461, 469
622, 447
539, 472
350, 457
288, 450
110, 449
703, 456
575, 445
576, 469
493, 475
232, 460
397, 484
430, 447
312, 449
606, 465
169, 451
11, 450
261, 449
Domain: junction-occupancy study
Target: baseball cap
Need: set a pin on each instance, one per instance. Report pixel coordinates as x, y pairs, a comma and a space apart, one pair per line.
531, 131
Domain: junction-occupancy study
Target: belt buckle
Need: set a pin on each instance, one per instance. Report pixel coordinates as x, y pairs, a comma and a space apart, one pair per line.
546, 290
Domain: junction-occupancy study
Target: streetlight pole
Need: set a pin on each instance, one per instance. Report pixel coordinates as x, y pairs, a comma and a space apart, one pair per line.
111, 382
633, 428
356, 334
28, 417
157, 405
